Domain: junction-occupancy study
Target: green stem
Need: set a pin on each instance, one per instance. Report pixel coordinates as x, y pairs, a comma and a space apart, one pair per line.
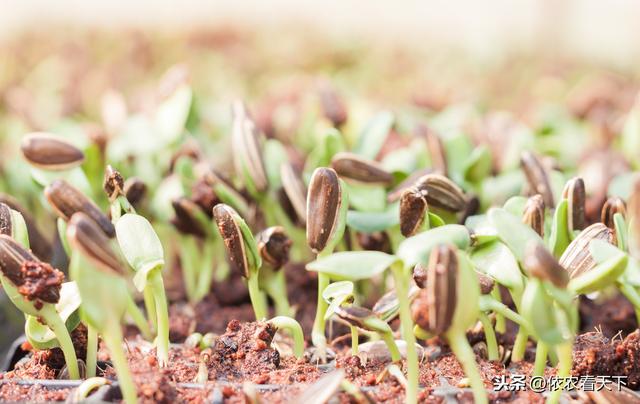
92, 350
138, 318
633, 296
519, 347
392, 346
317, 334
205, 275
188, 259
463, 351
565, 356
354, 340
501, 324
112, 335
276, 287
162, 313
487, 303
541, 359
295, 329
257, 298
401, 280
150, 307
490, 336
56, 324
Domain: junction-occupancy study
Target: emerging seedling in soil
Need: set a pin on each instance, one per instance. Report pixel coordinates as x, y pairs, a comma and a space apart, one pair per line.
361, 318
274, 246
326, 218
293, 327
445, 308
143, 251
104, 292
34, 286
242, 252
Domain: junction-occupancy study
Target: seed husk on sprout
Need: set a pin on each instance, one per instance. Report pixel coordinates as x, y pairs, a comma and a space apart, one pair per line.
533, 214
442, 193
612, 206
85, 235
67, 200
354, 167
232, 238
323, 207
134, 190
5, 219
413, 211
576, 258
245, 143
537, 177
295, 190
274, 246
539, 262
576, 196
113, 183
50, 152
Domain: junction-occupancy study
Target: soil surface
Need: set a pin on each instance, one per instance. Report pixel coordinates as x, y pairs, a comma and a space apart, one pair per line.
249, 359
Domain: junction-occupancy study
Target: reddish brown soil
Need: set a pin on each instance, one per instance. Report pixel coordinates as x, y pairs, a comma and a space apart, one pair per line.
244, 352
595, 354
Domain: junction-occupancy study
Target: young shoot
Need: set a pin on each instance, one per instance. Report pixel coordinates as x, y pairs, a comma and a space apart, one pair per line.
104, 292
445, 308
361, 318
293, 327
274, 246
34, 288
143, 251
242, 252
327, 205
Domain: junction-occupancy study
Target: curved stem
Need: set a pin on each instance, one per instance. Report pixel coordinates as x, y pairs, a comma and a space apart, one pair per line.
487, 303
138, 318
112, 335
401, 280
55, 322
565, 356
421, 333
541, 359
257, 298
490, 337
463, 351
92, 350
162, 313
501, 325
388, 339
295, 329
276, 287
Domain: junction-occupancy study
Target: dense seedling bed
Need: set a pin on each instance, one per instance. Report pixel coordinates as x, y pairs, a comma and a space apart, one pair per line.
313, 245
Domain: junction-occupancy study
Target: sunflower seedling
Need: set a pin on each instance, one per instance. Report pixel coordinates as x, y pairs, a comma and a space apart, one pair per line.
293, 327
104, 291
242, 251
33, 286
439, 308
274, 246
143, 251
326, 218
361, 318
